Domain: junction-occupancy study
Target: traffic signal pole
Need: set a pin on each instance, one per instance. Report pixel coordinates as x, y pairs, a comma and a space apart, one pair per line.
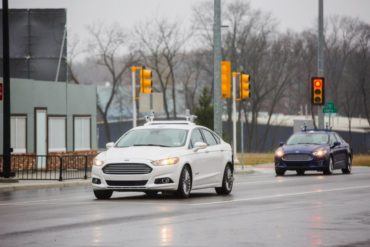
6, 88
320, 57
235, 76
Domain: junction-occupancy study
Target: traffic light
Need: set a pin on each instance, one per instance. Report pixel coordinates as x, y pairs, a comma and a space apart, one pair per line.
244, 86
146, 81
226, 79
318, 90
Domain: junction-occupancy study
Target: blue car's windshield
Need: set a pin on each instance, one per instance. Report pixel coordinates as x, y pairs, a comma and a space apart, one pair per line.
154, 137
308, 138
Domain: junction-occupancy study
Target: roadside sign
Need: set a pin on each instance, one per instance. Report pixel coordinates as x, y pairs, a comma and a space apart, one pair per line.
1, 91
329, 108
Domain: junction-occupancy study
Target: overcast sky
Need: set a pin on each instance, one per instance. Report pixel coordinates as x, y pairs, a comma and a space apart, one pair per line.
291, 14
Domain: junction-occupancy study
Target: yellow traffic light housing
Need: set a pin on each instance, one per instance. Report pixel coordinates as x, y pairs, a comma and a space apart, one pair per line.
244, 86
146, 82
226, 79
318, 90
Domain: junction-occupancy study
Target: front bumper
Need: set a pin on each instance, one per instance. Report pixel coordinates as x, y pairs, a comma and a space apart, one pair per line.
137, 182
316, 164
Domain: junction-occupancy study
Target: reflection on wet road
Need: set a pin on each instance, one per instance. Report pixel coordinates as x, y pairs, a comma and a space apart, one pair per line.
263, 210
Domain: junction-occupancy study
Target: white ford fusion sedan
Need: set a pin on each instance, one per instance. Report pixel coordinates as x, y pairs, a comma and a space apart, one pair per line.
177, 156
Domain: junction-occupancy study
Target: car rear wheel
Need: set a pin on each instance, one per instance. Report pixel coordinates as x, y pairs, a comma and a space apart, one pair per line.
103, 194
348, 168
300, 172
279, 172
185, 183
330, 169
227, 182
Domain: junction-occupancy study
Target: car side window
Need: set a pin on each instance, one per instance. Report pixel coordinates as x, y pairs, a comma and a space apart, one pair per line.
216, 138
210, 139
332, 139
339, 138
196, 136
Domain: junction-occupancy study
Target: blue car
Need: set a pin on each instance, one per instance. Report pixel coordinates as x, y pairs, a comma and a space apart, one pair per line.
314, 150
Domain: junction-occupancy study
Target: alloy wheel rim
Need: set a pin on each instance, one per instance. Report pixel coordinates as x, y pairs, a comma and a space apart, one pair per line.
229, 179
186, 182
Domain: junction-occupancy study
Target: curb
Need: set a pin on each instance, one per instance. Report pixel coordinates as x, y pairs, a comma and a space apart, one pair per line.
17, 186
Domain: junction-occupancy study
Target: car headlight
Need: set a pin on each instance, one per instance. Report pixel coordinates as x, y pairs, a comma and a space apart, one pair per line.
98, 162
164, 162
279, 152
320, 152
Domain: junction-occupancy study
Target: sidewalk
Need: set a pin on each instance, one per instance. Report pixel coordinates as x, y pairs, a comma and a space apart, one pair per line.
42, 184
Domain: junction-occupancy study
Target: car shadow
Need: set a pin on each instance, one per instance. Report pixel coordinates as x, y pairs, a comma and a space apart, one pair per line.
311, 175
160, 196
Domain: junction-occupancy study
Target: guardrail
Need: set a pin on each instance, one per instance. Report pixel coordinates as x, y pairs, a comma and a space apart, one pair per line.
50, 167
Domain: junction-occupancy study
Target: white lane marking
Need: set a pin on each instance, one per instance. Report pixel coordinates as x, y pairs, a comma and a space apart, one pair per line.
283, 195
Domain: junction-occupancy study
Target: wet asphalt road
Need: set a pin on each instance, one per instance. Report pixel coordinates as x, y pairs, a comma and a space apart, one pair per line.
263, 210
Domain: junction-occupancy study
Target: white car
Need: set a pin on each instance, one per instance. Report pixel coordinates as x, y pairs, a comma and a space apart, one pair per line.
177, 156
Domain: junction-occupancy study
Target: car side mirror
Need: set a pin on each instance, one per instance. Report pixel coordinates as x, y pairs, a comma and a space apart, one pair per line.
335, 144
109, 145
199, 145
281, 144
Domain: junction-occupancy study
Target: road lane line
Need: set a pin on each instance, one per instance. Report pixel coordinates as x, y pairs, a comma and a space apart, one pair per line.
317, 191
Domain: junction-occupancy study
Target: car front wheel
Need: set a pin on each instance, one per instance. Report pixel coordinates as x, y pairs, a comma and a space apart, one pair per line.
227, 182
185, 183
330, 169
103, 194
279, 172
348, 168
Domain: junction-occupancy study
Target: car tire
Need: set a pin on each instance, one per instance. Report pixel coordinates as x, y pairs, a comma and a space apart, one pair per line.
330, 169
151, 193
103, 194
279, 172
227, 182
300, 172
185, 183
348, 168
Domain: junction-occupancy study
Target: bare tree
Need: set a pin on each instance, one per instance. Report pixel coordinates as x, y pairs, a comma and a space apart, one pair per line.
161, 50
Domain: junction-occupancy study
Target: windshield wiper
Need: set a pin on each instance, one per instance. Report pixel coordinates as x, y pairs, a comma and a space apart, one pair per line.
153, 145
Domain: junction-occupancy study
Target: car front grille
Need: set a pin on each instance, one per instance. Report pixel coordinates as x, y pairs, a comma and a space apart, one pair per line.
127, 183
127, 168
297, 157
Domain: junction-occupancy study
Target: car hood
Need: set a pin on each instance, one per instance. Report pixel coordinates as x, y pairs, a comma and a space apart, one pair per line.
139, 153
302, 148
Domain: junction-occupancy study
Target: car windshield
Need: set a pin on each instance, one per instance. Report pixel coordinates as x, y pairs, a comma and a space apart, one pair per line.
153, 137
308, 138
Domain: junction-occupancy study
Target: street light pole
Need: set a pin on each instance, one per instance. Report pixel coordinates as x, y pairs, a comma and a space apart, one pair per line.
217, 57
6, 87
320, 56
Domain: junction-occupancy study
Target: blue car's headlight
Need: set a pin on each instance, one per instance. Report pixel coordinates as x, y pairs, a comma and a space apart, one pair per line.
320, 152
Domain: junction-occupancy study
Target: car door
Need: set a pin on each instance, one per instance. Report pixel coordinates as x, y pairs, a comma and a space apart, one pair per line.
335, 151
343, 150
198, 158
214, 157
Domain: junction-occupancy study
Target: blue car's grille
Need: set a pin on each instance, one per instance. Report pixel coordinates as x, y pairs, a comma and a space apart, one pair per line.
297, 157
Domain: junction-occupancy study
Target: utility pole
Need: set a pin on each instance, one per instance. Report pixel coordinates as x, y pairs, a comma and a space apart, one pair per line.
217, 57
320, 56
6, 105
